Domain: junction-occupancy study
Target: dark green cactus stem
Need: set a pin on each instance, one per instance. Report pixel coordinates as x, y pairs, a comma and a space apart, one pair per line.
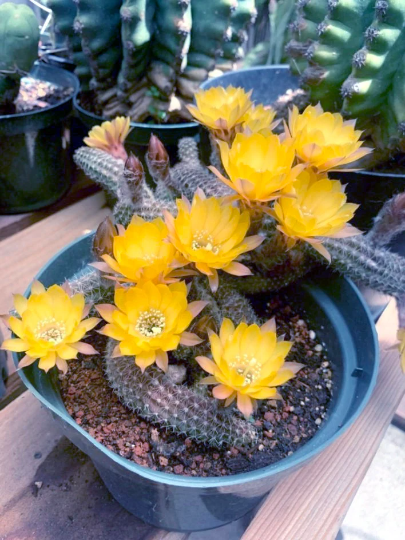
211, 19
136, 34
19, 36
99, 26
360, 260
357, 63
241, 18
178, 408
100, 167
65, 12
304, 32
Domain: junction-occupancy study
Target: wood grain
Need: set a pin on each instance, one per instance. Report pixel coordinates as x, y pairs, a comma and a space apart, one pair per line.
311, 504
51, 490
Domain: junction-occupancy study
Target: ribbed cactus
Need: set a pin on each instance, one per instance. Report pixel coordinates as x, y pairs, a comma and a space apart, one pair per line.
351, 56
176, 407
148, 57
65, 13
19, 35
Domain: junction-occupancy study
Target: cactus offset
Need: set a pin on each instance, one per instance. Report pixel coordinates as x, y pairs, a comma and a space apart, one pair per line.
176, 407
19, 36
356, 62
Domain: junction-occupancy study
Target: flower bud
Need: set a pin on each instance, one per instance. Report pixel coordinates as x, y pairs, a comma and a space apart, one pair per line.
104, 238
158, 159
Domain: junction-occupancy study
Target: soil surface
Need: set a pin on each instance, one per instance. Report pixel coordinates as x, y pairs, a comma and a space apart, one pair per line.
283, 425
35, 94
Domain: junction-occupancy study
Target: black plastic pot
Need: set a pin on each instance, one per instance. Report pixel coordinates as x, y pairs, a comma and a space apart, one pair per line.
138, 138
367, 188
34, 149
336, 312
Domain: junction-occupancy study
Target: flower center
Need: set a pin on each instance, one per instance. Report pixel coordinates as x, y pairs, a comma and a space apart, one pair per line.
151, 323
51, 331
203, 240
247, 366
150, 258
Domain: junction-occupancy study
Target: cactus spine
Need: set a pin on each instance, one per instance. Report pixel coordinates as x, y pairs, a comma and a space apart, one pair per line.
156, 398
355, 61
19, 35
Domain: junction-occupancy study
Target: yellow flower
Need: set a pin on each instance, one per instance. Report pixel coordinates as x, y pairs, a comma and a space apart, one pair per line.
211, 234
141, 252
148, 320
318, 209
259, 120
324, 140
50, 328
248, 363
258, 166
110, 137
221, 109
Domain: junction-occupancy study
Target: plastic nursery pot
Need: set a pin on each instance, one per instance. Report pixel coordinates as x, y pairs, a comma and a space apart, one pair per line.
368, 188
138, 139
336, 312
34, 148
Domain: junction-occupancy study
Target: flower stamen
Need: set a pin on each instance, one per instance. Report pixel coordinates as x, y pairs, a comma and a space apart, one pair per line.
151, 323
202, 240
50, 330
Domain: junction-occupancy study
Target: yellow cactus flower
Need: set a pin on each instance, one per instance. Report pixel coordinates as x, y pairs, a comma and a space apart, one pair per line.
211, 233
259, 119
248, 364
323, 140
258, 166
110, 137
141, 253
50, 327
401, 346
149, 320
221, 109
317, 209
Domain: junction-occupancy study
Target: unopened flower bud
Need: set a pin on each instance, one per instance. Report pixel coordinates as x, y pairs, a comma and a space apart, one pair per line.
104, 238
158, 159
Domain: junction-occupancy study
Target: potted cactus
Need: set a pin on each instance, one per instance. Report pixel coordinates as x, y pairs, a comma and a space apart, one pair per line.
35, 161
207, 381
150, 58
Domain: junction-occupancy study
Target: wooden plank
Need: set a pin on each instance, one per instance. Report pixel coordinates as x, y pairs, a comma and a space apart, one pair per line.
51, 489
24, 253
82, 187
399, 417
312, 503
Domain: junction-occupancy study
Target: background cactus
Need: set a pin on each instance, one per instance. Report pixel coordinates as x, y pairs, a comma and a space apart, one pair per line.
19, 36
152, 55
351, 57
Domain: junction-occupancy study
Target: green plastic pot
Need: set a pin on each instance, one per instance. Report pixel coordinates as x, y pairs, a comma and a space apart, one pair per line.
35, 169
339, 316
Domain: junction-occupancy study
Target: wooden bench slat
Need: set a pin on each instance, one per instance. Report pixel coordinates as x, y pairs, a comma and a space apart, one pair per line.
312, 503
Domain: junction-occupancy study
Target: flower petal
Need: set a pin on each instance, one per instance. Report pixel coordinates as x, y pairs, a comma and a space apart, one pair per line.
26, 361
207, 364
189, 339
84, 348
245, 405
162, 360
106, 311
222, 392
15, 345
20, 303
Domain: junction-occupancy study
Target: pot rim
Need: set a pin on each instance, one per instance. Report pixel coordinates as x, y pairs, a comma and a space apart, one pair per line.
38, 66
214, 482
137, 125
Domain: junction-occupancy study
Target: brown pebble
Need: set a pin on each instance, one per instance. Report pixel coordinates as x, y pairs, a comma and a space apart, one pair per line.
178, 469
163, 461
269, 416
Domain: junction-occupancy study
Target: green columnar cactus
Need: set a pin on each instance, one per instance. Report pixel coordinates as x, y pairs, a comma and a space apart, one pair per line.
98, 24
356, 61
153, 54
19, 35
65, 13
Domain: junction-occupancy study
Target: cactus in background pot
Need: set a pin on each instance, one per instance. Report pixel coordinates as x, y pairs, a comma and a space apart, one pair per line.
152, 55
351, 56
19, 36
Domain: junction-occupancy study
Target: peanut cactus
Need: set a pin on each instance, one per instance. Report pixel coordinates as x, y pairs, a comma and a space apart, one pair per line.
19, 35
351, 56
152, 394
152, 55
